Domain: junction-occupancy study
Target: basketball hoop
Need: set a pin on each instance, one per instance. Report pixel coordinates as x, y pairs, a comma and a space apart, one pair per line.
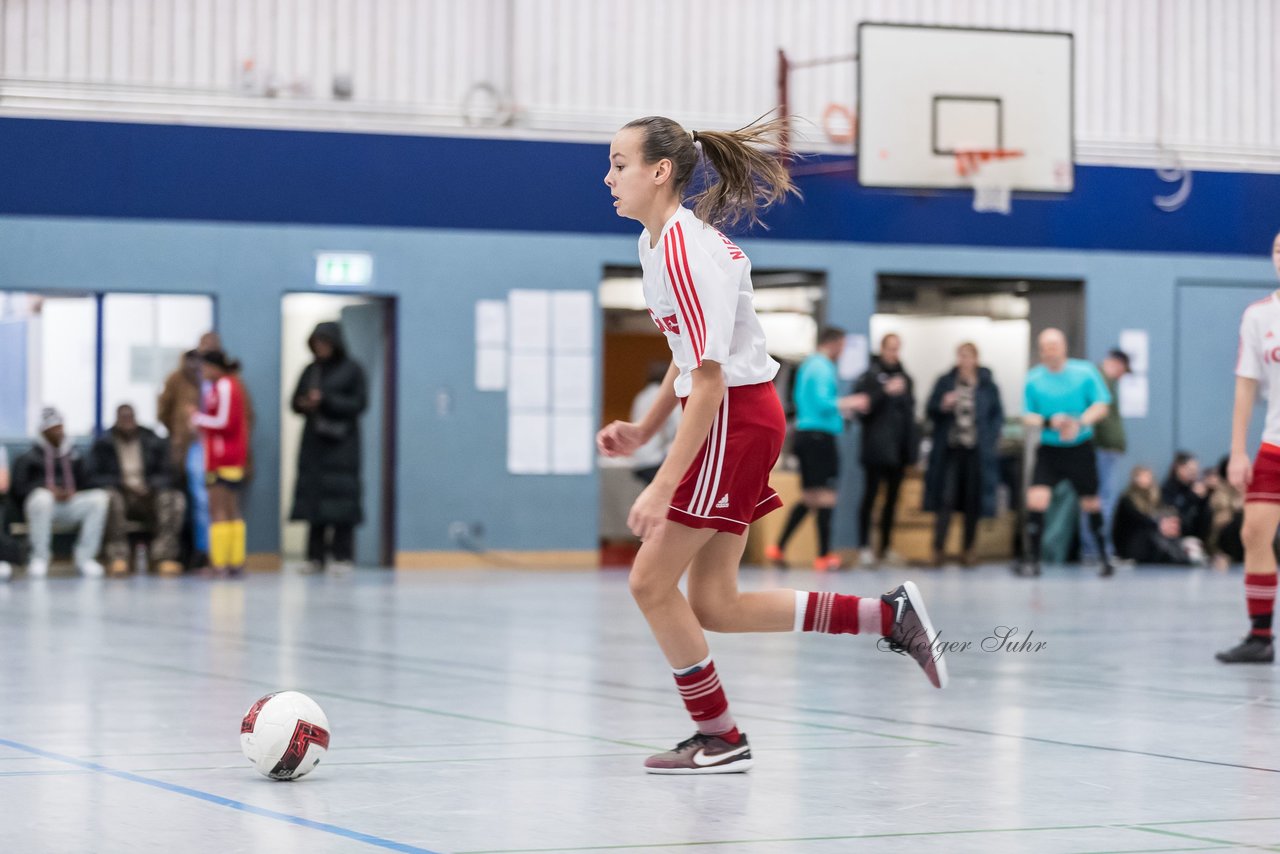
988, 172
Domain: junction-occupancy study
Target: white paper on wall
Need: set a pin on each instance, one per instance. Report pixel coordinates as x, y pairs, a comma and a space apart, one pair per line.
529, 313
528, 443
572, 444
491, 323
529, 386
1135, 344
1133, 393
491, 368
854, 358
571, 383
573, 322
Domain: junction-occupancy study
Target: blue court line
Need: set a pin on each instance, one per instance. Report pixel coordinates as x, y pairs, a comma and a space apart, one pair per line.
334, 829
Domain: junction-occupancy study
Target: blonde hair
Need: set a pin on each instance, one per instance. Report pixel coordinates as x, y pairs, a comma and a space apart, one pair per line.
749, 165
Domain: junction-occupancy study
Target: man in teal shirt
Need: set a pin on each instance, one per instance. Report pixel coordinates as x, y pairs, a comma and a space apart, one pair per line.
1064, 399
819, 420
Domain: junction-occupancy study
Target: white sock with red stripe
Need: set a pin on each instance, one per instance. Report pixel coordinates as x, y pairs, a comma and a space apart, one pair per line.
837, 614
704, 698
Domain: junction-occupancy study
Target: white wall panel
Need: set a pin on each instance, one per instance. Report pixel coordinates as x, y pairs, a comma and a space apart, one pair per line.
1196, 77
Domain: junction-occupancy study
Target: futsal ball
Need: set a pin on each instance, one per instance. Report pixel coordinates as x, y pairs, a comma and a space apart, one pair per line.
284, 735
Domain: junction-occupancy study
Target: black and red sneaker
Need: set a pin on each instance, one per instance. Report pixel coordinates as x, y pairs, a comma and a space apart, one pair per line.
703, 754
912, 633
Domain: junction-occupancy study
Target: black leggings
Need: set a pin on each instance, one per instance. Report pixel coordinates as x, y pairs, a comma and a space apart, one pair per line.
891, 477
961, 490
343, 545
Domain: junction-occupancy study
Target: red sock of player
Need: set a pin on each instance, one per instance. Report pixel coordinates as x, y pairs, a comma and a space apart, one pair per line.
837, 614
704, 698
1260, 597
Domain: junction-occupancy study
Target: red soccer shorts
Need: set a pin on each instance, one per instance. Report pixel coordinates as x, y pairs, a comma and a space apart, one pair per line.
1265, 486
727, 487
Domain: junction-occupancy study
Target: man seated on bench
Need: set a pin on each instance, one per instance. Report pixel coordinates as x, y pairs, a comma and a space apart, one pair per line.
50, 483
132, 464
10, 549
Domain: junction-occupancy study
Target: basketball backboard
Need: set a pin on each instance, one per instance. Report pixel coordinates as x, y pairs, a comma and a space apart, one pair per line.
930, 95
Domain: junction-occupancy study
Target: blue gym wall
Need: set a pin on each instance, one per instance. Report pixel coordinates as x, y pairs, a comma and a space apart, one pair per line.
240, 214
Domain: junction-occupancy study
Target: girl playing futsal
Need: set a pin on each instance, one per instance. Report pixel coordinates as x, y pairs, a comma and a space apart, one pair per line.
715, 480
226, 443
1259, 481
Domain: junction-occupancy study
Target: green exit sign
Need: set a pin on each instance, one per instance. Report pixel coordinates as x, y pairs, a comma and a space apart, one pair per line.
344, 269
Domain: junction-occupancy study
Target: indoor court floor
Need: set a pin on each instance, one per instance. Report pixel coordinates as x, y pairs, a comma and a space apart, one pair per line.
510, 710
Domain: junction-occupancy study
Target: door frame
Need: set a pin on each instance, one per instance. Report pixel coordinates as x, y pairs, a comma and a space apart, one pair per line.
388, 440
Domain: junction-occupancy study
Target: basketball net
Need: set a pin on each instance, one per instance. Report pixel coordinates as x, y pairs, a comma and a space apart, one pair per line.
990, 173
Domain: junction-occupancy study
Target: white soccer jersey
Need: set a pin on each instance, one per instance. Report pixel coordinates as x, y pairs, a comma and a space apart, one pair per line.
697, 286
1259, 357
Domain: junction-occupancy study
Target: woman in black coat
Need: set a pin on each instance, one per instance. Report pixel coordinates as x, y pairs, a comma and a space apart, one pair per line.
331, 394
889, 440
964, 462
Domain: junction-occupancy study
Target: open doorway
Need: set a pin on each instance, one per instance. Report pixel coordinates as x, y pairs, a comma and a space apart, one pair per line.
933, 315
368, 329
791, 305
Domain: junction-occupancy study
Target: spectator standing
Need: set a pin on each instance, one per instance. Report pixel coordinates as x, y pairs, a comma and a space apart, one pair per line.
1109, 446
331, 395
964, 462
1064, 399
226, 438
889, 443
182, 394
819, 421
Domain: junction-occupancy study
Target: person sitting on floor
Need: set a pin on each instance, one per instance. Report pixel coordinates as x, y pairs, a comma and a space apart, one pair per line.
1144, 530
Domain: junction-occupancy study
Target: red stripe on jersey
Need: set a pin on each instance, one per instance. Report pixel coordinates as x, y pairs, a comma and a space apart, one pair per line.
682, 256
689, 326
686, 296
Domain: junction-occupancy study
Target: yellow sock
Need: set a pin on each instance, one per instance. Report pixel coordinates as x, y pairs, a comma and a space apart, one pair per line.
237, 542
220, 544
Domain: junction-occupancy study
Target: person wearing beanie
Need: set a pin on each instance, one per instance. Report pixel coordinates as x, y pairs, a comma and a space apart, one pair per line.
50, 483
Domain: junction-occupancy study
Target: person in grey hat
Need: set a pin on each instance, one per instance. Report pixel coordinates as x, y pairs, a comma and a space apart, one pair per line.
47, 484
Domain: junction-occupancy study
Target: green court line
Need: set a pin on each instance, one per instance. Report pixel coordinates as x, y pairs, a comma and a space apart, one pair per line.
970, 730
383, 703
442, 760
1158, 850
594, 694
774, 840
410, 664
1218, 843
1249, 845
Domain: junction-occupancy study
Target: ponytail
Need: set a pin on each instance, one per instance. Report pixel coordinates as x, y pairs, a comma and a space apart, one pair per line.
748, 176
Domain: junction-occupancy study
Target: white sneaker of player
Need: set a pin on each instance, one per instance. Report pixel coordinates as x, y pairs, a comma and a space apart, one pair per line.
91, 569
37, 568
